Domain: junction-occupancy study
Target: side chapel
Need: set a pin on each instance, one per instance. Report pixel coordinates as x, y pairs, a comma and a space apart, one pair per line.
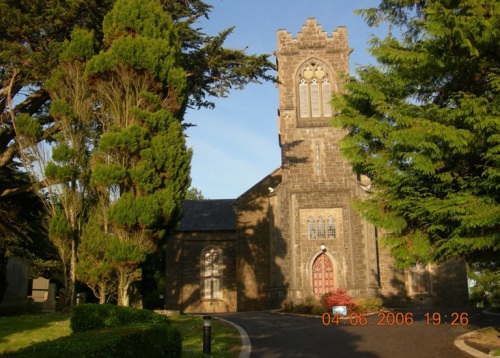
295, 233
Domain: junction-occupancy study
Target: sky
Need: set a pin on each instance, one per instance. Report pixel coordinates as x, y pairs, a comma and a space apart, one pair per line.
235, 145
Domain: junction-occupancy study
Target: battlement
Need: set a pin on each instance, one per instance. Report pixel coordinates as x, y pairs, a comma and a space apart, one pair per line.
312, 36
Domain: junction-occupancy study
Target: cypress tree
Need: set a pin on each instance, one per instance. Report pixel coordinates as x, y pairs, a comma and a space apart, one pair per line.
424, 127
141, 166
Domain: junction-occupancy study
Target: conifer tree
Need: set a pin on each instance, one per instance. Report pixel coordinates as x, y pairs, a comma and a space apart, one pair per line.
424, 127
135, 92
141, 166
67, 175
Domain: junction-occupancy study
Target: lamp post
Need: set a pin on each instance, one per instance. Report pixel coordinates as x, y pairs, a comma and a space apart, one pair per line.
207, 334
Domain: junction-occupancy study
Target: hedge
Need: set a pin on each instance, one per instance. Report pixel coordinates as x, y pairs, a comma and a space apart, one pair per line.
90, 317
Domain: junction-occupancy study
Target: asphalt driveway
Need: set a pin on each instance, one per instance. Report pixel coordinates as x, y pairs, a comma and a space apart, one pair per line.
274, 335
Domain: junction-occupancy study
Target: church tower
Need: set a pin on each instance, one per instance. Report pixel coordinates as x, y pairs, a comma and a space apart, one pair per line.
319, 243
295, 234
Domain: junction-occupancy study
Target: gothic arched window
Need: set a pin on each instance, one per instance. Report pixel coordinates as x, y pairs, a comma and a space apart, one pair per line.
321, 228
311, 228
211, 273
331, 232
314, 90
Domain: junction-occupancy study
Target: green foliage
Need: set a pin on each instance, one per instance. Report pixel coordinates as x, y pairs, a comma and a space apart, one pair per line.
105, 176
424, 128
485, 288
194, 194
368, 305
88, 317
109, 83
82, 46
213, 69
127, 253
59, 227
28, 126
94, 267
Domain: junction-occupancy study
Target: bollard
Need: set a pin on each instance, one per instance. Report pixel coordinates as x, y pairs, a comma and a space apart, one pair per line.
207, 335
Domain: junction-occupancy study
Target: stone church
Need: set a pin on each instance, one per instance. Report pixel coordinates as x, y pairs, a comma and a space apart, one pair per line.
295, 233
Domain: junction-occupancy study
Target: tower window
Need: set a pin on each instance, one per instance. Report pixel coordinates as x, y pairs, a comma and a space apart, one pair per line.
311, 228
321, 228
331, 228
314, 91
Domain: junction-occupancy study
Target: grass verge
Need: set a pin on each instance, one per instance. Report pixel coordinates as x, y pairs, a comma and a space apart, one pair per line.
21, 331
226, 342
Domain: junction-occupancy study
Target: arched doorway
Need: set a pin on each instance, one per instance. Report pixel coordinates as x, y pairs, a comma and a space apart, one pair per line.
322, 275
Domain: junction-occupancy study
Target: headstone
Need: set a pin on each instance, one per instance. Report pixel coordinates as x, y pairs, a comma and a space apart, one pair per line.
16, 295
50, 303
40, 289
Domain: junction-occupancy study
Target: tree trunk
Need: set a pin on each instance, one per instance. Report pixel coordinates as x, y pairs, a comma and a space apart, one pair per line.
123, 285
72, 274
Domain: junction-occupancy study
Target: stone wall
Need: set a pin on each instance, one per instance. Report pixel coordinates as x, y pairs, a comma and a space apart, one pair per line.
184, 272
255, 234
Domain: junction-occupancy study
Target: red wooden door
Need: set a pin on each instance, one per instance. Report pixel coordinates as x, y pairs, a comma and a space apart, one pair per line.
322, 272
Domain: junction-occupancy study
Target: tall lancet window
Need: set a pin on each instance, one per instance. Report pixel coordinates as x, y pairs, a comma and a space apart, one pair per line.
331, 231
311, 228
321, 228
317, 158
211, 275
314, 90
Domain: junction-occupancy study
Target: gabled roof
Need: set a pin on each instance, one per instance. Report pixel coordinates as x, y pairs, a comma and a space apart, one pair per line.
207, 215
274, 173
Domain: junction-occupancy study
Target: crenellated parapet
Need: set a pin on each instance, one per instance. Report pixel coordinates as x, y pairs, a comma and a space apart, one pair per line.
312, 37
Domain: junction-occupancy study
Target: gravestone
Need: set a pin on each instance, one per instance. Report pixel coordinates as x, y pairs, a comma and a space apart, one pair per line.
40, 289
16, 295
50, 303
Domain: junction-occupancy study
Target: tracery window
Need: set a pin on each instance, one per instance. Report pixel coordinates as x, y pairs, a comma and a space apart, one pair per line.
314, 90
211, 273
419, 280
321, 228
332, 233
311, 228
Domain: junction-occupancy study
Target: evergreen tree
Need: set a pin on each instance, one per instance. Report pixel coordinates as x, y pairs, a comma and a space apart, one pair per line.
424, 127
67, 176
194, 194
135, 91
141, 165
95, 267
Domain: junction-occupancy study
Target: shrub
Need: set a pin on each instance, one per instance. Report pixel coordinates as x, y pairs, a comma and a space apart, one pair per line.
338, 297
367, 305
318, 310
302, 308
131, 341
90, 317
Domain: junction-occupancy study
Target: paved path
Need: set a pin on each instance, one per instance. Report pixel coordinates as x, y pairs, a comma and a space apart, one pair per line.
276, 336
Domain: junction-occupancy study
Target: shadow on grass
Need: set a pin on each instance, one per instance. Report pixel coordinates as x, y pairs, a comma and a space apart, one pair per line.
17, 331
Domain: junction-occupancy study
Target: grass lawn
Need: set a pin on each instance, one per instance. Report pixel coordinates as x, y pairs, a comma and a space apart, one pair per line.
23, 330
226, 341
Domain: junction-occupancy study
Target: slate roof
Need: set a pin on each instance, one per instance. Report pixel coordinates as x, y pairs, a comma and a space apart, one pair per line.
207, 215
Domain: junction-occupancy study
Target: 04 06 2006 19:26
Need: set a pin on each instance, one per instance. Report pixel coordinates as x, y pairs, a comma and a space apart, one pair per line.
395, 319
